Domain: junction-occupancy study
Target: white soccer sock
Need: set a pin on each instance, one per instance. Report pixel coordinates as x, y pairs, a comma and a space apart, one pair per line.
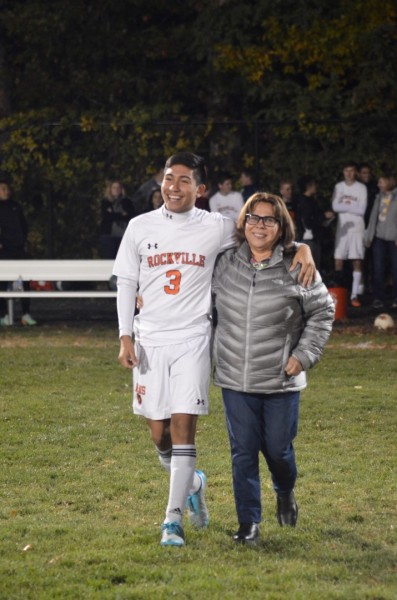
165, 461
165, 458
356, 283
183, 462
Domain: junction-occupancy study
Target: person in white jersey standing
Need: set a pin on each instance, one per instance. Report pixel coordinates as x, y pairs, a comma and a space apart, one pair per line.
168, 255
226, 201
349, 201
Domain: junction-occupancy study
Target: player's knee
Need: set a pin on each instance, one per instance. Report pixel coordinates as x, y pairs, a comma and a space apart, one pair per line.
157, 439
160, 434
183, 429
161, 439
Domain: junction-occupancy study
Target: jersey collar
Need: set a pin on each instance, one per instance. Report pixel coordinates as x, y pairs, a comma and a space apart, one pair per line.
177, 217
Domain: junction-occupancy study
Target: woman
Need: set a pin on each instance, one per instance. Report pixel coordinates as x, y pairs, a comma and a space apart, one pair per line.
116, 212
270, 329
382, 234
155, 200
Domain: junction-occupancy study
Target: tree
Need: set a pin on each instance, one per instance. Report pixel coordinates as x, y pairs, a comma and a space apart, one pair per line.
91, 90
324, 73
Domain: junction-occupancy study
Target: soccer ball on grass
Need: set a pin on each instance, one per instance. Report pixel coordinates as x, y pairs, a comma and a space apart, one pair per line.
384, 322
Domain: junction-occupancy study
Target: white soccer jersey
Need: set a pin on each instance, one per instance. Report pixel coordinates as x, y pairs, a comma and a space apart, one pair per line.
350, 202
171, 256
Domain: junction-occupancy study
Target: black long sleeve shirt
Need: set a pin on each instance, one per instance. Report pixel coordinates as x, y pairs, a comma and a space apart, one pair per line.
13, 225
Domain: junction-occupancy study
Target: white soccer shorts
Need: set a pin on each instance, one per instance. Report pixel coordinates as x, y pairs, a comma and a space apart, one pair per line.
349, 246
172, 379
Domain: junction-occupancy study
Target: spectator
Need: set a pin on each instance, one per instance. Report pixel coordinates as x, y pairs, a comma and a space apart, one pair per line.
310, 219
116, 211
226, 201
156, 199
261, 355
382, 234
349, 201
366, 177
13, 237
287, 194
248, 183
141, 198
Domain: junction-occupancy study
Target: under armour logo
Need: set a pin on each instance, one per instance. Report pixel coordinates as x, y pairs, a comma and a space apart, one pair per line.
152, 246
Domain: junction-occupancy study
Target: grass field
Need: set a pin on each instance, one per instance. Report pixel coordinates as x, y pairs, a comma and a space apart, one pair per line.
83, 495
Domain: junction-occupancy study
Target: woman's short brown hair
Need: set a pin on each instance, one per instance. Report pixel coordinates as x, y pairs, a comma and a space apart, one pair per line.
280, 212
390, 181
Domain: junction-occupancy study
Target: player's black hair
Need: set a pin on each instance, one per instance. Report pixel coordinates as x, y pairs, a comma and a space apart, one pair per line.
192, 161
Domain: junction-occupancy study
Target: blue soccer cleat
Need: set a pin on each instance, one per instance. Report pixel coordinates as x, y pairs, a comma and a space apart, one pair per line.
198, 511
172, 534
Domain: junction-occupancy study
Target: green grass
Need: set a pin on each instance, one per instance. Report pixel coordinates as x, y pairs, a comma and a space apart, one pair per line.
83, 494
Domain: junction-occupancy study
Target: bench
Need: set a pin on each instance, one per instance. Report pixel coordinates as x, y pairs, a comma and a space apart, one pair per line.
55, 270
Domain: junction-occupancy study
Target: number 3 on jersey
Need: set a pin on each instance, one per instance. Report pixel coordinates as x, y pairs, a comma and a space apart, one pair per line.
175, 282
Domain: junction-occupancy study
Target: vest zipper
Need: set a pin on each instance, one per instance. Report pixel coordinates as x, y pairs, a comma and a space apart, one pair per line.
247, 334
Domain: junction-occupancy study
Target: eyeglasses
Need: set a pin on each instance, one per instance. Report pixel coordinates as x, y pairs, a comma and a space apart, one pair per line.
267, 221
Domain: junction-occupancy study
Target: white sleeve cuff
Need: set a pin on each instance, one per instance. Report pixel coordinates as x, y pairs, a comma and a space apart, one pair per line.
126, 299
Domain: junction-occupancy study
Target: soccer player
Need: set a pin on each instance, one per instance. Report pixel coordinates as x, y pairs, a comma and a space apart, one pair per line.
349, 201
169, 255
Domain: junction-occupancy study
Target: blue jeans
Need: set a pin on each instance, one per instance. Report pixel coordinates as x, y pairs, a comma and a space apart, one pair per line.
265, 423
380, 250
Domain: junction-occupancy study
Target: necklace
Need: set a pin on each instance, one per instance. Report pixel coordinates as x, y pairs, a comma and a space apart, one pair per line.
260, 265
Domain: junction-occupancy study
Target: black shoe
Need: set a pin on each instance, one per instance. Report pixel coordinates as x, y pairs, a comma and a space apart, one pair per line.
248, 533
287, 510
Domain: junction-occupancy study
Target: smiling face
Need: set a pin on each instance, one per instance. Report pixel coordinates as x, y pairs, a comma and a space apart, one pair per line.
180, 189
262, 239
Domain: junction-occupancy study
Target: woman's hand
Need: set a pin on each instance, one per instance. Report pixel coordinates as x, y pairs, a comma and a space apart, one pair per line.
293, 367
304, 257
